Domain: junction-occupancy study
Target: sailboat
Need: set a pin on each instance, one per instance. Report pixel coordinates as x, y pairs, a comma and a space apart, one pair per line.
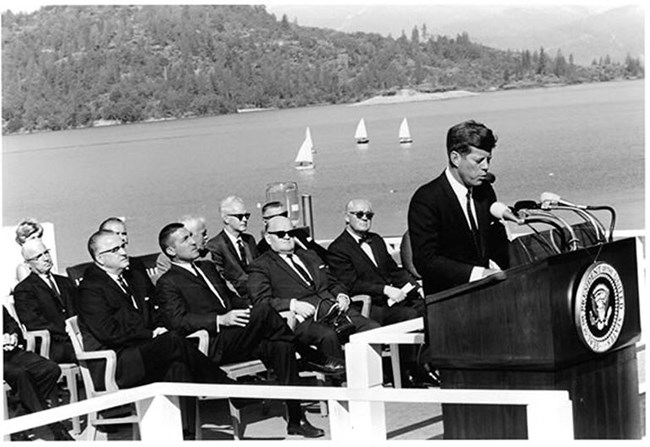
361, 134
308, 140
405, 133
305, 158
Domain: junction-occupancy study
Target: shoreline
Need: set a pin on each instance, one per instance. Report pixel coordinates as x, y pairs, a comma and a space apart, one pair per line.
409, 95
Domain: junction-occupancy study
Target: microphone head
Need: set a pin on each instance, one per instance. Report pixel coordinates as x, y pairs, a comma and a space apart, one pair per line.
549, 197
489, 178
498, 209
526, 205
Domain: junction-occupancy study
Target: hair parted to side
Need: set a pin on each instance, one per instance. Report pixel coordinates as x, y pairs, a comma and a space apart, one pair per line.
165, 235
26, 228
226, 204
92, 241
470, 133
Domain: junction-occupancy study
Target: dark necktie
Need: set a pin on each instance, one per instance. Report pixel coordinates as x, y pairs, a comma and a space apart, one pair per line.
50, 280
472, 222
301, 271
199, 273
127, 289
242, 252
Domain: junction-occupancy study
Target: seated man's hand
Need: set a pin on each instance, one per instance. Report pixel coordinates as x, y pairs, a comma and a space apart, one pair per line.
9, 341
303, 309
395, 294
159, 331
343, 301
236, 317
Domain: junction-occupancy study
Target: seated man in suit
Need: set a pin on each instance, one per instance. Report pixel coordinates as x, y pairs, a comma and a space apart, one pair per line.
31, 376
197, 227
360, 260
115, 313
233, 249
44, 300
117, 226
303, 240
194, 296
299, 281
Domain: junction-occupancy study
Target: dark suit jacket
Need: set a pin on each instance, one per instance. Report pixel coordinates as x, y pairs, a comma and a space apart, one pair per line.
10, 326
272, 279
443, 248
355, 269
108, 320
224, 255
188, 302
38, 307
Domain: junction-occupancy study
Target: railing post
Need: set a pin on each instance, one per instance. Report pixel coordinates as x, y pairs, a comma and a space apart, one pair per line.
550, 419
160, 419
308, 214
364, 370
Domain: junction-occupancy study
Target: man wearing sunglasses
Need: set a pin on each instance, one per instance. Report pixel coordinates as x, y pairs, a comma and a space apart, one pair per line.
360, 260
298, 280
44, 300
194, 296
454, 237
302, 238
233, 249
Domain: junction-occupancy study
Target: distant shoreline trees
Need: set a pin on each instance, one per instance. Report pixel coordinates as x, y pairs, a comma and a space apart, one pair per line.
71, 66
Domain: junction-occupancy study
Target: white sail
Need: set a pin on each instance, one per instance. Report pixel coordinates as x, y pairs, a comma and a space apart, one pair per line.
361, 134
308, 140
405, 132
305, 157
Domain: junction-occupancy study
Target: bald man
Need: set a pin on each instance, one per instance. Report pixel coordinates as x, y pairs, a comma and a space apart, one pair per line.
301, 282
44, 300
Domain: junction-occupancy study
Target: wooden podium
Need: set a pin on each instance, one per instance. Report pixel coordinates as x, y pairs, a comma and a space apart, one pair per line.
567, 322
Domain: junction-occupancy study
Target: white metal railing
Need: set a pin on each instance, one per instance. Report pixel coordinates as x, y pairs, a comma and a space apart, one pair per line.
161, 419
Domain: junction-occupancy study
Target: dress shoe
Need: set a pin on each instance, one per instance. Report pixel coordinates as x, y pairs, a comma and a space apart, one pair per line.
305, 429
60, 433
329, 367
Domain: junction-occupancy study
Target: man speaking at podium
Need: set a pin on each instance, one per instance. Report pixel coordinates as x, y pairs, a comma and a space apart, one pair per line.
454, 237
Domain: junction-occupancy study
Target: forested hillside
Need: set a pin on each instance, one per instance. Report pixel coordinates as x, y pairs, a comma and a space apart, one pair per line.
72, 66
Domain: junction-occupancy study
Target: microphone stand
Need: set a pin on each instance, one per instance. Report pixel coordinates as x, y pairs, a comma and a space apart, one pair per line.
535, 216
585, 215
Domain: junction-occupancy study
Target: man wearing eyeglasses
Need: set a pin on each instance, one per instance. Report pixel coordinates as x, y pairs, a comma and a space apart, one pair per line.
44, 300
117, 226
233, 249
302, 238
454, 237
115, 313
194, 296
298, 280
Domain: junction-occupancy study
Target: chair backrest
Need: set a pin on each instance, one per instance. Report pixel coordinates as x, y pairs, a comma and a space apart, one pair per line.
76, 272
86, 357
149, 262
34, 339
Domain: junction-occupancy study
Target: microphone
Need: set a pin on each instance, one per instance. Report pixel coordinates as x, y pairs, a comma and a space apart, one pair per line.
503, 211
526, 205
489, 178
550, 199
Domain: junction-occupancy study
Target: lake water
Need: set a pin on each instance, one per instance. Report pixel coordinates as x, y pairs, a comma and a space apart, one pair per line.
583, 142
